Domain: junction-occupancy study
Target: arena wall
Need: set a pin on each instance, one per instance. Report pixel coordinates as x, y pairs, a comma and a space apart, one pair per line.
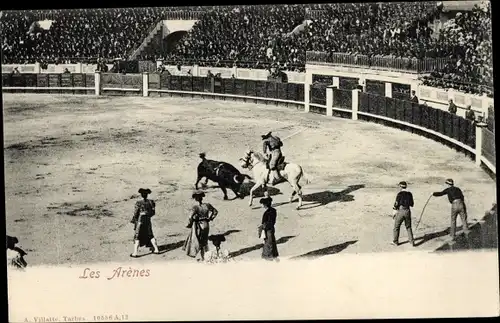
52, 68
434, 97
473, 138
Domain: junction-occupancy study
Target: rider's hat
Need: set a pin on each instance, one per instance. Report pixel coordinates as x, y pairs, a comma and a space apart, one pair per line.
449, 181
402, 184
266, 135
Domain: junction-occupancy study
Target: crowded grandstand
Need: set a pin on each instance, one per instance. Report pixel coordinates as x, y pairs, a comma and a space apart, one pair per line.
260, 36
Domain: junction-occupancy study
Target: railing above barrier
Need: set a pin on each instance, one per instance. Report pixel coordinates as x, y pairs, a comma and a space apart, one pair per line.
398, 64
182, 15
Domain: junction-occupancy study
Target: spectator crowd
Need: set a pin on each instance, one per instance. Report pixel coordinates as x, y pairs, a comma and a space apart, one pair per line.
254, 37
276, 36
470, 34
75, 35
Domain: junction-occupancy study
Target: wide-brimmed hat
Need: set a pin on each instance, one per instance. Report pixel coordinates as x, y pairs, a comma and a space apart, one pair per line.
144, 191
266, 201
449, 181
266, 135
403, 184
198, 193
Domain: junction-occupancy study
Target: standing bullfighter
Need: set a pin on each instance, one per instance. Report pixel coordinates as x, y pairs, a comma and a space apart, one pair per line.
457, 200
267, 230
404, 201
272, 144
198, 221
143, 236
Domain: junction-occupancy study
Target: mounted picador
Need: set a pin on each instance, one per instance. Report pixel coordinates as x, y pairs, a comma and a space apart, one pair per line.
271, 147
222, 173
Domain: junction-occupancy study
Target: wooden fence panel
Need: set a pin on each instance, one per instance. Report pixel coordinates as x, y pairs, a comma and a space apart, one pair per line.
364, 102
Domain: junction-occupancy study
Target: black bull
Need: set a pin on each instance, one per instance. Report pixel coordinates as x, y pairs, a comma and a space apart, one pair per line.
222, 173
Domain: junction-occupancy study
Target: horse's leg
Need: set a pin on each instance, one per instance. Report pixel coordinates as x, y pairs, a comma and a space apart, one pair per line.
206, 182
256, 186
299, 194
294, 191
297, 189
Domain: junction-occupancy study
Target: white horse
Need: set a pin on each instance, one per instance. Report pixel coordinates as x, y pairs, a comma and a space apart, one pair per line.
292, 173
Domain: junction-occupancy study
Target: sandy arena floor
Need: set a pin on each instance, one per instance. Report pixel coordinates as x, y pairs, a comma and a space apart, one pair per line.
73, 165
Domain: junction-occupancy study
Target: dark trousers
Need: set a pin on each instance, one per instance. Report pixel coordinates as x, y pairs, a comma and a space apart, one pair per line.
458, 207
403, 215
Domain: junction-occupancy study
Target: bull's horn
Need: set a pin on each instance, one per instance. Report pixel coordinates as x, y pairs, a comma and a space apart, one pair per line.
235, 178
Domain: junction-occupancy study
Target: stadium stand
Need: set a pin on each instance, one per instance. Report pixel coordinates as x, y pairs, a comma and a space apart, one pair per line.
470, 35
261, 37
75, 35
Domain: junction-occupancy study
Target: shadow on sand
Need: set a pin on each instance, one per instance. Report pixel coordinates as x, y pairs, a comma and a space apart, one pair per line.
429, 236
245, 190
217, 239
327, 197
420, 240
170, 246
257, 247
326, 251
161, 248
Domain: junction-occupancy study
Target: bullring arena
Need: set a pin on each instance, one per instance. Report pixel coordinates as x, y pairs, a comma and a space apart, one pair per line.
73, 165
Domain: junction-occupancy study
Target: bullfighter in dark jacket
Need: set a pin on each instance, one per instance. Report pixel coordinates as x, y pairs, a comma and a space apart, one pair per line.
457, 200
267, 230
404, 201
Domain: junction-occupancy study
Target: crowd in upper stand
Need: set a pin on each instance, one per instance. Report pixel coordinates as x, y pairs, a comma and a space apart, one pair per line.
254, 36
75, 34
389, 29
470, 33
264, 36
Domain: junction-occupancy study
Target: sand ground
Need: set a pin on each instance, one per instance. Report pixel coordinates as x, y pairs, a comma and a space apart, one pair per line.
73, 165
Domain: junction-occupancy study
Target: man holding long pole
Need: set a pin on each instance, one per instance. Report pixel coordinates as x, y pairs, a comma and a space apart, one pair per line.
457, 200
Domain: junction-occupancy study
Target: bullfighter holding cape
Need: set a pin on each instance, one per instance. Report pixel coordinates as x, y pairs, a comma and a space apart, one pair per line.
143, 230
198, 221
